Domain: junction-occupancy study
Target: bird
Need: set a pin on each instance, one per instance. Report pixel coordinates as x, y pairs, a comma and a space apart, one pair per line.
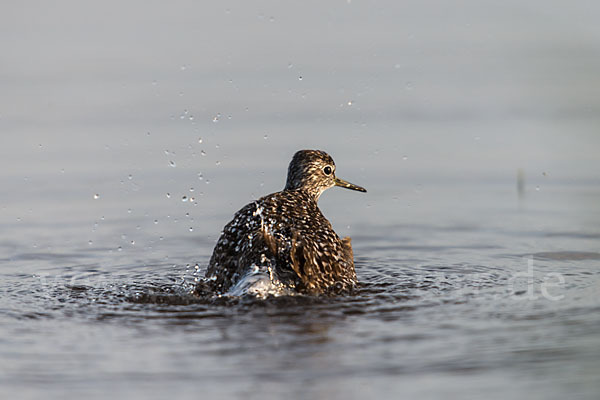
282, 243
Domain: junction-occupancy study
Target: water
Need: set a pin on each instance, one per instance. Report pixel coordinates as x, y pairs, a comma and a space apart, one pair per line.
502, 299
473, 127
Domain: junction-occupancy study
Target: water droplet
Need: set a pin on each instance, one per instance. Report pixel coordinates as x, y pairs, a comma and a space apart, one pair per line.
217, 163
290, 65
155, 222
168, 195
537, 188
119, 248
199, 140
184, 199
191, 229
405, 158
129, 210
300, 78
271, 19
202, 153
130, 177
133, 242
167, 152
266, 137
160, 238
191, 189
172, 163
216, 118
96, 196
90, 242
154, 83
350, 102
200, 176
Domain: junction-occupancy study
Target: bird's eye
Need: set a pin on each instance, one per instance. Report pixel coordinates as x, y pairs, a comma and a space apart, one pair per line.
327, 170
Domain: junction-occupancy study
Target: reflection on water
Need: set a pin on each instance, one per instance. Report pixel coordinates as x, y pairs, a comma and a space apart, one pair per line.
435, 305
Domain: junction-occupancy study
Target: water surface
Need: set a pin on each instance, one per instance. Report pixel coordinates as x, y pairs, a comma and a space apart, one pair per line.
131, 133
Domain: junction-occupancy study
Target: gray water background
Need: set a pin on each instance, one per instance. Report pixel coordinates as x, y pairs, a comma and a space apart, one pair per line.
131, 132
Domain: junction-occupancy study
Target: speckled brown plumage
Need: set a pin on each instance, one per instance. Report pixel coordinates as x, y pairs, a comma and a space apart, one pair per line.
286, 235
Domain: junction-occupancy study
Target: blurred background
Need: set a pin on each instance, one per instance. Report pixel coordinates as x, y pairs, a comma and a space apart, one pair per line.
134, 100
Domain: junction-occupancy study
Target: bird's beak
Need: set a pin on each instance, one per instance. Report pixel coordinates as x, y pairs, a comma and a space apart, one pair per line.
342, 183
